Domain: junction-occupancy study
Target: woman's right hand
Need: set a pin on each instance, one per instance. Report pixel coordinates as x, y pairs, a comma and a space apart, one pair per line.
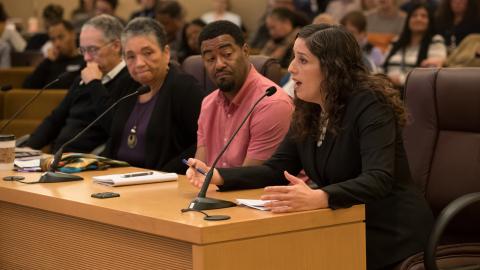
196, 178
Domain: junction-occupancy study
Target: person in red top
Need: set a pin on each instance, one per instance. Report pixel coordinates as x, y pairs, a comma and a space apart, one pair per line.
225, 56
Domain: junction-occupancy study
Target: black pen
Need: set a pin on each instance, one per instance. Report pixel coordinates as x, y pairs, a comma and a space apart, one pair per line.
197, 169
137, 174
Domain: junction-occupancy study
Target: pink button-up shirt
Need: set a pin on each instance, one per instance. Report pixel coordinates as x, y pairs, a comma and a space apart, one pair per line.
261, 134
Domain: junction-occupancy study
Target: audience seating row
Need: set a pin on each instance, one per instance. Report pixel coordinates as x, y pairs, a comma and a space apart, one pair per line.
26, 122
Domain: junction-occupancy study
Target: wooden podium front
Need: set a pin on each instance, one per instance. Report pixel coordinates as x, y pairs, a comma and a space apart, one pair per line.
59, 226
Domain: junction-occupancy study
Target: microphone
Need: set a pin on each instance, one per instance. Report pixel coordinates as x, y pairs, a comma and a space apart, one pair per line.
201, 202
51, 176
31, 100
6, 87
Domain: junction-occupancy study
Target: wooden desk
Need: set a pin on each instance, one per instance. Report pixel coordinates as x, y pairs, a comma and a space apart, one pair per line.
59, 226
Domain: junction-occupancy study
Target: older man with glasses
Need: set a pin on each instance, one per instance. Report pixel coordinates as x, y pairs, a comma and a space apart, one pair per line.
105, 72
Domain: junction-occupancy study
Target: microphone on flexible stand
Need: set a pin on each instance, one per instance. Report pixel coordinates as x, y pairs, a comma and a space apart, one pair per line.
31, 100
201, 202
51, 176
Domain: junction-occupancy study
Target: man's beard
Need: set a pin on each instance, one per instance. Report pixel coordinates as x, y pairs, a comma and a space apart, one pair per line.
226, 86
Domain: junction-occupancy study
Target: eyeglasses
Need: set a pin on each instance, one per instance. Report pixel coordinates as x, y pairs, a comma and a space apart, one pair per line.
92, 50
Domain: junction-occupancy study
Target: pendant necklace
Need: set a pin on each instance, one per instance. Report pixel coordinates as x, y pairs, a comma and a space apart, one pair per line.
132, 139
323, 128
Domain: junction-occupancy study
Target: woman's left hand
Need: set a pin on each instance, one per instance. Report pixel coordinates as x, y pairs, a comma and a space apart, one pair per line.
296, 197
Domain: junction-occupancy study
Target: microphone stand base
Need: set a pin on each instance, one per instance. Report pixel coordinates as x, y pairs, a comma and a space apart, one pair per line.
55, 177
200, 203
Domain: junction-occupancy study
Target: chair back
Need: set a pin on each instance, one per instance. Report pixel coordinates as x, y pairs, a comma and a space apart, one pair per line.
265, 65
442, 141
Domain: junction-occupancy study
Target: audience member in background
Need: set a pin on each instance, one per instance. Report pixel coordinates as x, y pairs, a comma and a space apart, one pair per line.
368, 5
107, 7
148, 9
157, 129
8, 34
105, 73
324, 18
467, 53
62, 57
408, 5
456, 19
387, 18
356, 23
226, 58
189, 39
311, 7
51, 14
5, 61
172, 17
338, 8
261, 36
283, 27
343, 115
220, 12
84, 12
417, 46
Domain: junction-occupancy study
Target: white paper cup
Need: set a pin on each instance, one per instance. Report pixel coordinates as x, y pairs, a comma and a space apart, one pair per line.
7, 152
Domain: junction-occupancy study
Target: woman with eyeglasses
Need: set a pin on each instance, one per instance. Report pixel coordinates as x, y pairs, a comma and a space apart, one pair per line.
157, 129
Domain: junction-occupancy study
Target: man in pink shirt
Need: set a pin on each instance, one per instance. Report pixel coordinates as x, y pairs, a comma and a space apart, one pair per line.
225, 56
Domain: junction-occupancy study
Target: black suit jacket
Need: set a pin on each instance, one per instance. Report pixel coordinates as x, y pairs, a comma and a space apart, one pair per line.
364, 163
172, 130
74, 113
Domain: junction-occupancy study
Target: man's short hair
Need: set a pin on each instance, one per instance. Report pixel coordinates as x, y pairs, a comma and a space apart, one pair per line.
143, 26
52, 13
112, 3
218, 28
172, 9
355, 18
68, 25
110, 26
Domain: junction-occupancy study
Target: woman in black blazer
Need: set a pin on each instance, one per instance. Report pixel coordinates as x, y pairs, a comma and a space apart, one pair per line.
346, 135
157, 129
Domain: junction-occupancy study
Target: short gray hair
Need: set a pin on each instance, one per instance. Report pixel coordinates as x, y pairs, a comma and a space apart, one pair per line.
110, 26
143, 26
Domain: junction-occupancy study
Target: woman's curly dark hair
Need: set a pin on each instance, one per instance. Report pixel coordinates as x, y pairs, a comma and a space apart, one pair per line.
344, 73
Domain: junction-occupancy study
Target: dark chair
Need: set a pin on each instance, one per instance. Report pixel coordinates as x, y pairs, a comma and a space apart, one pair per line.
442, 141
265, 65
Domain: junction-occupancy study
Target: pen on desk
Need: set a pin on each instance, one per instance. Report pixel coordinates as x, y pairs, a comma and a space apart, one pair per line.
137, 174
197, 169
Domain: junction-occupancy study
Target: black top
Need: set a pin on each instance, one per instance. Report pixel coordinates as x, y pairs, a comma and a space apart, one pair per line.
74, 113
458, 32
48, 71
364, 163
172, 129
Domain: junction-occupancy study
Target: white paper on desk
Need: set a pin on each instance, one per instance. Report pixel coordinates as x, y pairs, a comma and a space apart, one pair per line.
256, 204
116, 180
33, 163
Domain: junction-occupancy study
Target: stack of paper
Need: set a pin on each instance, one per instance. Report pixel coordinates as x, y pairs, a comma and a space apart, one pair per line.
257, 204
29, 165
135, 178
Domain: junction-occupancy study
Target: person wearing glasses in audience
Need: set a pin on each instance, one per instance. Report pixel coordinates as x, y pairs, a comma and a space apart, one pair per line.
157, 129
105, 71
346, 133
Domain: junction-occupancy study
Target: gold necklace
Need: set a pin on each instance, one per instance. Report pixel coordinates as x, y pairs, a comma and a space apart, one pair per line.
132, 139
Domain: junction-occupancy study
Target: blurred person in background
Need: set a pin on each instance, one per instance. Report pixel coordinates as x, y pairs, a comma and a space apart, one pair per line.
107, 7
190, 33
221, 12
386, 18
171, 15
338, 8
62, 57
8, 33
82, 13
417, 46
148, 9
51, 14
283, 26
456, 19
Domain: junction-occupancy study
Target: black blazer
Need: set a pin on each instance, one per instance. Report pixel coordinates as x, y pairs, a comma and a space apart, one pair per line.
364, 163
172, 130
76, 111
